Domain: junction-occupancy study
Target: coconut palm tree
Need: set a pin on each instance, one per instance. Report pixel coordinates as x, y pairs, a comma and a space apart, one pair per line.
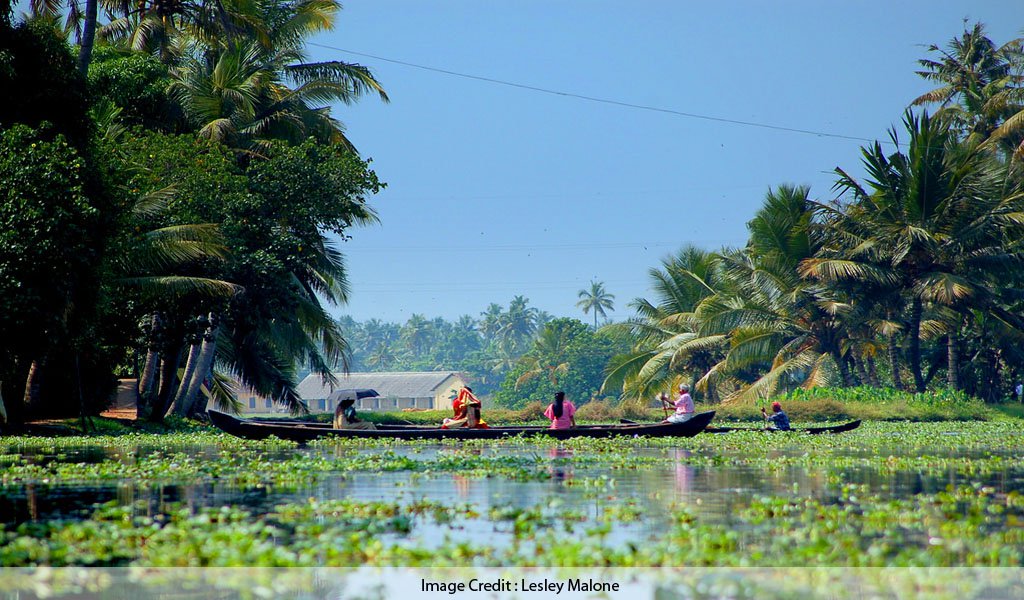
259, 87
596, 299
772, 316
664, 334
490, 322
779, 329
78, 19
938, 223
981, 86
548, 356
518, 325
417, 334
159, 265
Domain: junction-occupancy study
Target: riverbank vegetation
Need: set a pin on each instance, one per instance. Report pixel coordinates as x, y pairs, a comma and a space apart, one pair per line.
175, 188
906, 277
171, 202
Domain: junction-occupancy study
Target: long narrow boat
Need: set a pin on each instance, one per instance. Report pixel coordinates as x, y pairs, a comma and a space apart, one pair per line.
811, 430
304, 432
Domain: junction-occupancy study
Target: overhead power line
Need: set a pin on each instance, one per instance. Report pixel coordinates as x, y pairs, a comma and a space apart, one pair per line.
610, 101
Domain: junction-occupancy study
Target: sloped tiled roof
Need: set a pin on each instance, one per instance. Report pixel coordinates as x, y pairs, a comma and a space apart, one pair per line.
407, 384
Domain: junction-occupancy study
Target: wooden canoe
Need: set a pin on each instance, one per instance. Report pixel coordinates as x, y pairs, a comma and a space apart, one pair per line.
298, 431
811, 430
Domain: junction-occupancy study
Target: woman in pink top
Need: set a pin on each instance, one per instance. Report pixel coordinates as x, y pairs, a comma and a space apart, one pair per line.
561, 412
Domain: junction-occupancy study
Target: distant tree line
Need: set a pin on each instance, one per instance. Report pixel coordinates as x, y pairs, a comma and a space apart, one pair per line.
513, 355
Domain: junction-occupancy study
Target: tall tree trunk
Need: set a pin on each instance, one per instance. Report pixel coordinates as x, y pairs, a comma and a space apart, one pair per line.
146, 387
177, 405
858, 367
88, 37
915, 343
204, 365
3, 409
872, 372
894, 355
712, 393
953, 358
144, 391
894, 361
844, 368
993, 376
168, 375
33, 385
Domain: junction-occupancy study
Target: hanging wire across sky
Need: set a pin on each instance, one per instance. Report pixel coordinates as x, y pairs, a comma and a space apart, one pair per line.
598, 99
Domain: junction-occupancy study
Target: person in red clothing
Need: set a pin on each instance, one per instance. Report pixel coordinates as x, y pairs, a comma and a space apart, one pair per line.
561, 412
466, 411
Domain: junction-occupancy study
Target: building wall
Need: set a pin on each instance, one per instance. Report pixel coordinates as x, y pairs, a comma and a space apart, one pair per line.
445, 392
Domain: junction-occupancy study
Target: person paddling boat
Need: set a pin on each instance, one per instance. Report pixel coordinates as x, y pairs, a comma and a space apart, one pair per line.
778, 421
683, 405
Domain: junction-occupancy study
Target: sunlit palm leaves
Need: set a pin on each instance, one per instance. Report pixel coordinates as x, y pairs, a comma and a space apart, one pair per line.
664, 333
981, 87
245, 92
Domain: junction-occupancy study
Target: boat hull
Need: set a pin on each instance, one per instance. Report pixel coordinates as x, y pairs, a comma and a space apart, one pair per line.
298, 432
811, 430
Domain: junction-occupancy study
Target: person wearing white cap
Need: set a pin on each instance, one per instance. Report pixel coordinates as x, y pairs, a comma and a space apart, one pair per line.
684, 406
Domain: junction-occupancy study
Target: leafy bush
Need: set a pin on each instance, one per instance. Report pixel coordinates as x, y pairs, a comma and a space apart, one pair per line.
826, 404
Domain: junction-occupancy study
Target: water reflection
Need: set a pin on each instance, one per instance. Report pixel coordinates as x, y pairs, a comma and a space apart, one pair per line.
684, 472
561, 468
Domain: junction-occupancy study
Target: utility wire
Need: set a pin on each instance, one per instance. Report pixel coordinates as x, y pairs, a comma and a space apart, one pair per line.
599, 100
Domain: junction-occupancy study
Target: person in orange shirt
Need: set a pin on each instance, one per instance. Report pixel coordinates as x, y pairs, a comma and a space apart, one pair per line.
466, 411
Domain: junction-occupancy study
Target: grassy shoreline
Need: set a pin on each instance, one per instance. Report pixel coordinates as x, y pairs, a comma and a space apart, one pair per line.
823, 405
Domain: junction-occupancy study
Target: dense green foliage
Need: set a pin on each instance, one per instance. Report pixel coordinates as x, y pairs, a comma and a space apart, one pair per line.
566, 356
912, 273
136, 83
147, 233
38, 72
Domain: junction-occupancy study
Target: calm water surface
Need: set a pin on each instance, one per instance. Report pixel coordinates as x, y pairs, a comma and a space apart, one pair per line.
711, 492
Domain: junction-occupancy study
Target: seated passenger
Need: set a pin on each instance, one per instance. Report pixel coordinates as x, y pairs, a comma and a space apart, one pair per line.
561, 412
345, 416
778, 421
466, 412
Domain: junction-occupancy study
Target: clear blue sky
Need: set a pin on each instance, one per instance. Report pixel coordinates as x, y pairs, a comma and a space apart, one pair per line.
495, 191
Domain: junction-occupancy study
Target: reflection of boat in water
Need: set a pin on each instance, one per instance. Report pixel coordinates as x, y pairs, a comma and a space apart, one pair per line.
811, 430
303, 432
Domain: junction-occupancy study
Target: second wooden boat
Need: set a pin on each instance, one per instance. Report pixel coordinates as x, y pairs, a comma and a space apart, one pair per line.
811, 430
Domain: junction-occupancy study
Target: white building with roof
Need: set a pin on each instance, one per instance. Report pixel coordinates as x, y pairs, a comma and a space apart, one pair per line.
398, 391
